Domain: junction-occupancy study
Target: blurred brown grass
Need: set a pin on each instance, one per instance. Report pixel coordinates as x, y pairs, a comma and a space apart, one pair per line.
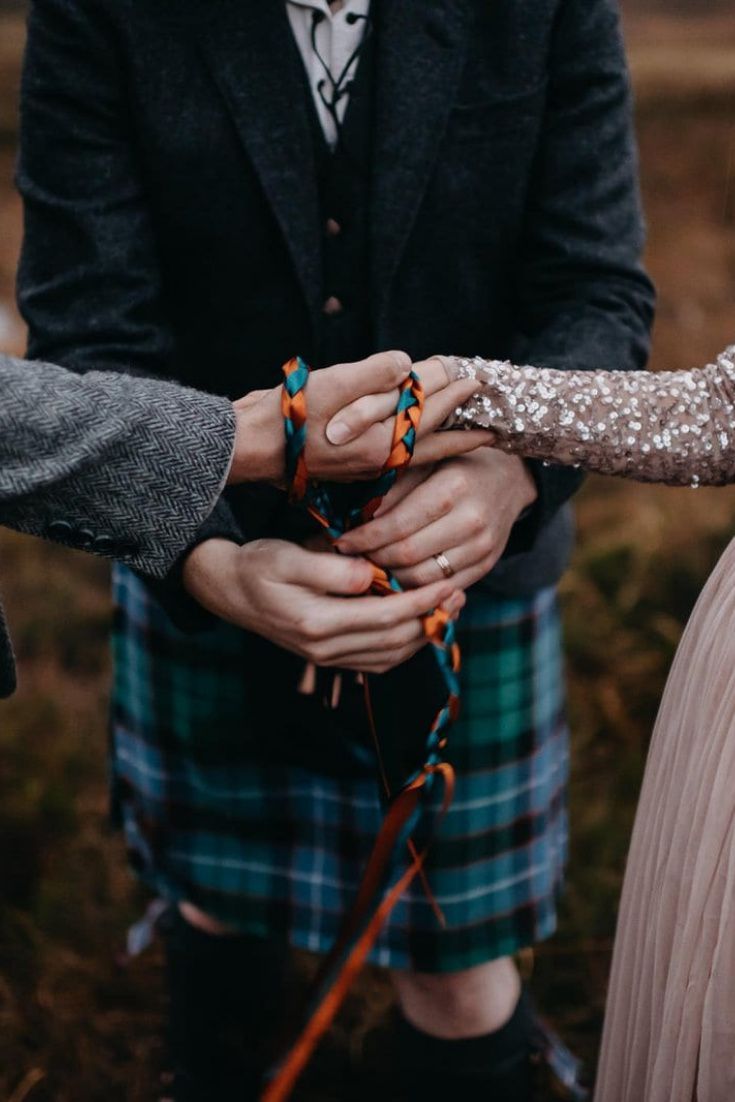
76, 1026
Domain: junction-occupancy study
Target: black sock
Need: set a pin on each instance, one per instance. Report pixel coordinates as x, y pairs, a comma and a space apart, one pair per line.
225, 994
496, 1067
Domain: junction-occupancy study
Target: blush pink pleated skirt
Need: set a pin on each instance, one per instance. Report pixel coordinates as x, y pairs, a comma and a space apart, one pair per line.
669, 1032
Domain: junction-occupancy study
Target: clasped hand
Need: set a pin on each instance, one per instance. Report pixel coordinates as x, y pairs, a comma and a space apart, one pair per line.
458, 498
366, 394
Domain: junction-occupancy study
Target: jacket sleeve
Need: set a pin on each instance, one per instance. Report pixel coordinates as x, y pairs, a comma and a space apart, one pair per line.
584, 298
121, 466
89, 284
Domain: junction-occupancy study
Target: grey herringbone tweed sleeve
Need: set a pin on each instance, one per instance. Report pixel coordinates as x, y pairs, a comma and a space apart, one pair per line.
122, 466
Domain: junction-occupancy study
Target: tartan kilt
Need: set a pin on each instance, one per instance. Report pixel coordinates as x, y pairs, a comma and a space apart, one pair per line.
275, 849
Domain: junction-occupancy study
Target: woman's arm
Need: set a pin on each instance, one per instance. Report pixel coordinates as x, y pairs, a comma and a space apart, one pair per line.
581, 289
672, 427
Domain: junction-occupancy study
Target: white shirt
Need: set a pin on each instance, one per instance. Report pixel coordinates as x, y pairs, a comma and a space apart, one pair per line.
337, 37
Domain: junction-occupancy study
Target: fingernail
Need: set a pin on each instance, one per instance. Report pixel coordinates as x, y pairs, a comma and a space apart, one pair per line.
338, 432
455, 603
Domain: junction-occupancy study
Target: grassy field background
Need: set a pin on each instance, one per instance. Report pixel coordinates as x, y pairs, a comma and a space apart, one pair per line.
76, 1026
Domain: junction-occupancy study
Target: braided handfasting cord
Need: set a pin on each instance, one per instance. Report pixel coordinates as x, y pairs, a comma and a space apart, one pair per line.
376, 897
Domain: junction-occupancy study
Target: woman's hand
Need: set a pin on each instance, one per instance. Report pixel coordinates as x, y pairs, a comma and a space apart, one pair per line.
442, 392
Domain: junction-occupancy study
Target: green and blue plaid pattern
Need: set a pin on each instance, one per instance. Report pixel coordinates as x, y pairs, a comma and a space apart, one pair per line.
276, 849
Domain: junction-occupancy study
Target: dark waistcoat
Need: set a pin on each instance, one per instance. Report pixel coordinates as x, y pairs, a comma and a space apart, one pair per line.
344, 331
343, 185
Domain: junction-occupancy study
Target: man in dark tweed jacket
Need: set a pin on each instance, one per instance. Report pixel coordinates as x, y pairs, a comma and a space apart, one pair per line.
230, 182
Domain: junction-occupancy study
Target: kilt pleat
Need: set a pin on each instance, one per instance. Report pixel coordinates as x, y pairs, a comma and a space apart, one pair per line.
277, 850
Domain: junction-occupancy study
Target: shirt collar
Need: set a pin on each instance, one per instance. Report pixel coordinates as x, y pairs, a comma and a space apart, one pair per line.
360, 7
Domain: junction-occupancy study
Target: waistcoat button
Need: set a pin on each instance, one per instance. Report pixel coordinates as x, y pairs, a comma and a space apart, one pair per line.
332, 307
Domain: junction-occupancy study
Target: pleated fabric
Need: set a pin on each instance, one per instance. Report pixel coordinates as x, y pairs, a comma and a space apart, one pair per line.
669, 1033
274, 848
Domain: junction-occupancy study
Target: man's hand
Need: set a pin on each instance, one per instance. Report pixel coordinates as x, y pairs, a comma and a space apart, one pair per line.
464, 508
305, 601
259, 445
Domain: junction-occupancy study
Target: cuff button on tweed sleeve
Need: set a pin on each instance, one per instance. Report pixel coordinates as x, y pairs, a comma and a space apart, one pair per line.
84, 538
60, 530
103, 545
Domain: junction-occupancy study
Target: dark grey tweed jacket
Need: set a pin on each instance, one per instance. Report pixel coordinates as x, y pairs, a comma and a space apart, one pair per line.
167, 158
120, 466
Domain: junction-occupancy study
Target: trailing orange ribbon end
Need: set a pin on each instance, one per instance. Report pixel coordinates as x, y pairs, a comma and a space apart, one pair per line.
322, 1018
376, 896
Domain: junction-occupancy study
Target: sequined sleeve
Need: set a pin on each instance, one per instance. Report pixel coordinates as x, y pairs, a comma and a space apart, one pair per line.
672, 427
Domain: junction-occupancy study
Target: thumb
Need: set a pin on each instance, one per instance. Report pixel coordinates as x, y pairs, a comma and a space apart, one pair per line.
328, 572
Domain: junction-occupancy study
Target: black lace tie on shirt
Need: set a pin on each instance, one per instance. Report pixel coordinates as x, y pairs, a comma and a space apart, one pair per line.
333, 88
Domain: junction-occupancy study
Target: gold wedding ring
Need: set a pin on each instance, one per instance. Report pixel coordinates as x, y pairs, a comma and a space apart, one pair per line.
444, 564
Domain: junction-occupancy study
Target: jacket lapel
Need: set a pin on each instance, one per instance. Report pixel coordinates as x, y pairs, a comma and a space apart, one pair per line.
253, 58
420, 54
